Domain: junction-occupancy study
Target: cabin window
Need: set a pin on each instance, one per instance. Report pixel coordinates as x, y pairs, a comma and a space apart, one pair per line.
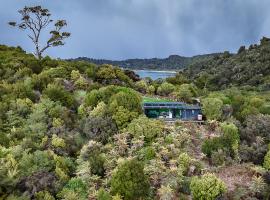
193, 112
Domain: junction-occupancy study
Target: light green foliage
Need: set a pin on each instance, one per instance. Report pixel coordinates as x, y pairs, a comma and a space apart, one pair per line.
208, 187
165, 89
212, 108
75, 75
100, 110
44, 195
142, 86
93, 98
103, 195
165, 193
184, 162
151, 90
107, 74
123, 116
266, 163
130, 181
146, 127
58, 142
230, 137
117, 197
184, 93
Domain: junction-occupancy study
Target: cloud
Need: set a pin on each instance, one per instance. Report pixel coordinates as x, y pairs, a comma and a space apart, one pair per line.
120, 29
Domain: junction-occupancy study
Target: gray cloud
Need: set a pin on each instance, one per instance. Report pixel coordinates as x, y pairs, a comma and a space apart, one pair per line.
120, 29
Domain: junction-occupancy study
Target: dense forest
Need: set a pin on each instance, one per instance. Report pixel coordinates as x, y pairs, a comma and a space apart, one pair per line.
173, 62
249, 67
74, 130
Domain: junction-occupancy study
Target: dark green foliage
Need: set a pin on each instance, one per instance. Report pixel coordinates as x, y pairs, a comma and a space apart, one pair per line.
228, 141
255, 138
248, 67
211, 145
57, 93
172, 62
92, 152
77, 186
37, 182
98, 128
38, 161
130, 181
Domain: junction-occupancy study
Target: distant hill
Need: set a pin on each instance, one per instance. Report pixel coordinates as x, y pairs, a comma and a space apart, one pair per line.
173, 62
250, 66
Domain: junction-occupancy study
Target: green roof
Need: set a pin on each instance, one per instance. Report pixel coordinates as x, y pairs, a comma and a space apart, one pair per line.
153, 99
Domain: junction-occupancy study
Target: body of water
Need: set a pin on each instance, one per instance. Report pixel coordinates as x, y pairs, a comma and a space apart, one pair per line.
155, 74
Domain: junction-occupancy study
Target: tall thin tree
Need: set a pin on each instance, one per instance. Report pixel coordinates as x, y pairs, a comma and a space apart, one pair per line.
36, 19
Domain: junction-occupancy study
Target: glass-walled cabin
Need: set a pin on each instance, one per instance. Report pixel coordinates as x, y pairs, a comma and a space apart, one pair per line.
172, 110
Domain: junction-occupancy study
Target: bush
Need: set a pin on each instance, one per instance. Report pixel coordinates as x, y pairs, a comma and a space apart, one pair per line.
98, 128
130, 181
212, 145
146, 127
58, 93
266, 163
103, 195
208, 187
165, 89
77, 186
212, 108
92, 153
229, 141
129, 100
218, 158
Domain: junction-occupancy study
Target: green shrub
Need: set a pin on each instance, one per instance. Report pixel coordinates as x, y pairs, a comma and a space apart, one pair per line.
130, 181
165, 89
147, 153
229, 141
218, 158
266, 163
212, 108
103, 195
77, 186
146, 127
184, 161
58, 93
212, 145
208, 187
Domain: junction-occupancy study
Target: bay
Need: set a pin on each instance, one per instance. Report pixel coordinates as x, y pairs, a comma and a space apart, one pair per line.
155, 74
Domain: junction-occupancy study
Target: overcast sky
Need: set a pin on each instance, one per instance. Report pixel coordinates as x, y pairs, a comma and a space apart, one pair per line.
121, 29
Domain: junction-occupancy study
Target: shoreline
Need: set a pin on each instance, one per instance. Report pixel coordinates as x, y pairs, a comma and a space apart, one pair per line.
156, 71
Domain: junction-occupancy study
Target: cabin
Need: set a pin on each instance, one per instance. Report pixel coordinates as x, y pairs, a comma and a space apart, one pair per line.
173, 110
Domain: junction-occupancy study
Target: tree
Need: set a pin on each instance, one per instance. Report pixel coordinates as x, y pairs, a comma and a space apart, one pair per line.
146, 127
208, 187
212, 108
130, 181
165, 89
98, 128
36, 19
184, 93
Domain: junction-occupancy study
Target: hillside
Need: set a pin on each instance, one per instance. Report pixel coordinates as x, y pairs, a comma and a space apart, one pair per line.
249, 67
72, 130
173, 62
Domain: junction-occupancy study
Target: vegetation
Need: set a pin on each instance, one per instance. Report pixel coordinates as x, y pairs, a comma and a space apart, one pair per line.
76, 130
